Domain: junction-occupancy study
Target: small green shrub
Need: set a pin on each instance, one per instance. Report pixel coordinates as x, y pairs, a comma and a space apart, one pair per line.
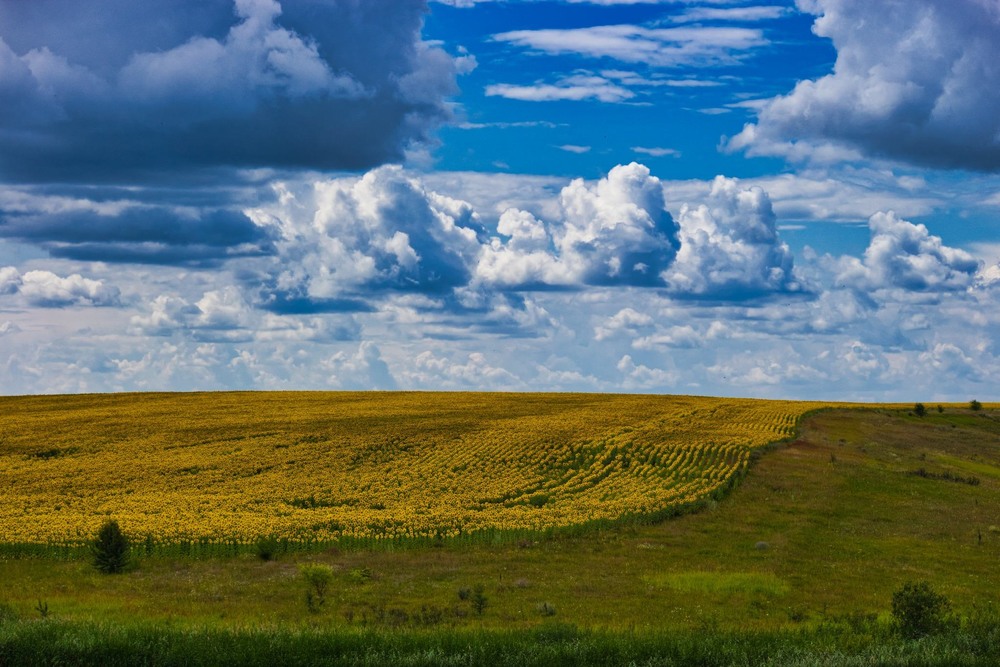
919, 410
479, 600
918, 610
317, 578
110, 549
267, 548
360, 575
545, 609
975, 405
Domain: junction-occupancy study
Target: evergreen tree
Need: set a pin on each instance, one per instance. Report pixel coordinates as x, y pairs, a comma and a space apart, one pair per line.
110, 548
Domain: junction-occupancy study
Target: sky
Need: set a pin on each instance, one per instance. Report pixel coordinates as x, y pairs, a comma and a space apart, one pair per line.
717, 197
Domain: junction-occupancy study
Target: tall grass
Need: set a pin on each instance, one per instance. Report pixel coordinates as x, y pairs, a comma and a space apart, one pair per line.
54, 642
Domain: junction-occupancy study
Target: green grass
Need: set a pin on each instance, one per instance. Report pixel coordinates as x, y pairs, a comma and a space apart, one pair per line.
720, 583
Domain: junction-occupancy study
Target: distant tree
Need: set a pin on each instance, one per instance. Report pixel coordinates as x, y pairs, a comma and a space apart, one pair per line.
919, 409
975, 405
110, 548
940, 409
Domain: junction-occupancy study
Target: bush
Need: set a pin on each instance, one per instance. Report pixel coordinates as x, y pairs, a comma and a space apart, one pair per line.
975, 405
919, 409
110, 549
317, 578
918, 610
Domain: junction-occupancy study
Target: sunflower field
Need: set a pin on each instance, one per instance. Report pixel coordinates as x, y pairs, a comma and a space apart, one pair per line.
322, 467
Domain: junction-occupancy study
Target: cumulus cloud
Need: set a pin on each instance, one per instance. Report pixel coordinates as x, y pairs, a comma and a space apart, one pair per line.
384, 231
907, 256
230, 84
340, 242
916, 81
613, 232
625, 320
617, 231
48, 290
729, 246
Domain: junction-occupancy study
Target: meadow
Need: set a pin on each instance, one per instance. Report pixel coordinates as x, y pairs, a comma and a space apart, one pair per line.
796, 563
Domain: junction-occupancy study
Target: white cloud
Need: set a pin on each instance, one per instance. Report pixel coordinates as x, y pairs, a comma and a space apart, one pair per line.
574, 88
907, 256
731, 14
949, 359
474, 371
573, 148
626, 320
615, 231
660, 47
656, 151
914, 81
729, 246
640, 376
48, 290
381, 231
364, 369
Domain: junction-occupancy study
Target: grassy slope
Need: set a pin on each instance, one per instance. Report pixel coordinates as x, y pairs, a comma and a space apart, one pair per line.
843, 524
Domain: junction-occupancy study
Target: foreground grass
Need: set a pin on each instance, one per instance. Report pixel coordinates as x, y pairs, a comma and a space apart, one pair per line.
833, 644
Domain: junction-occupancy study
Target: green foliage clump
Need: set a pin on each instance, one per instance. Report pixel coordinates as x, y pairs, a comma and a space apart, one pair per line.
918, 610
317, 578
975, 405
267, 548
110, 549
479, 600
919, 409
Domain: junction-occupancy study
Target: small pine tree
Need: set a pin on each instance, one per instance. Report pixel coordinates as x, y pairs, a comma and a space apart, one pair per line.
479, 600
110, 548
919, 409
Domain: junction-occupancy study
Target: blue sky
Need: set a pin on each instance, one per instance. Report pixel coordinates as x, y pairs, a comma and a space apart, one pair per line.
774, 199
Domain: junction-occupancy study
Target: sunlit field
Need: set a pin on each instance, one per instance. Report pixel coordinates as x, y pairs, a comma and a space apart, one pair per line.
233, 468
